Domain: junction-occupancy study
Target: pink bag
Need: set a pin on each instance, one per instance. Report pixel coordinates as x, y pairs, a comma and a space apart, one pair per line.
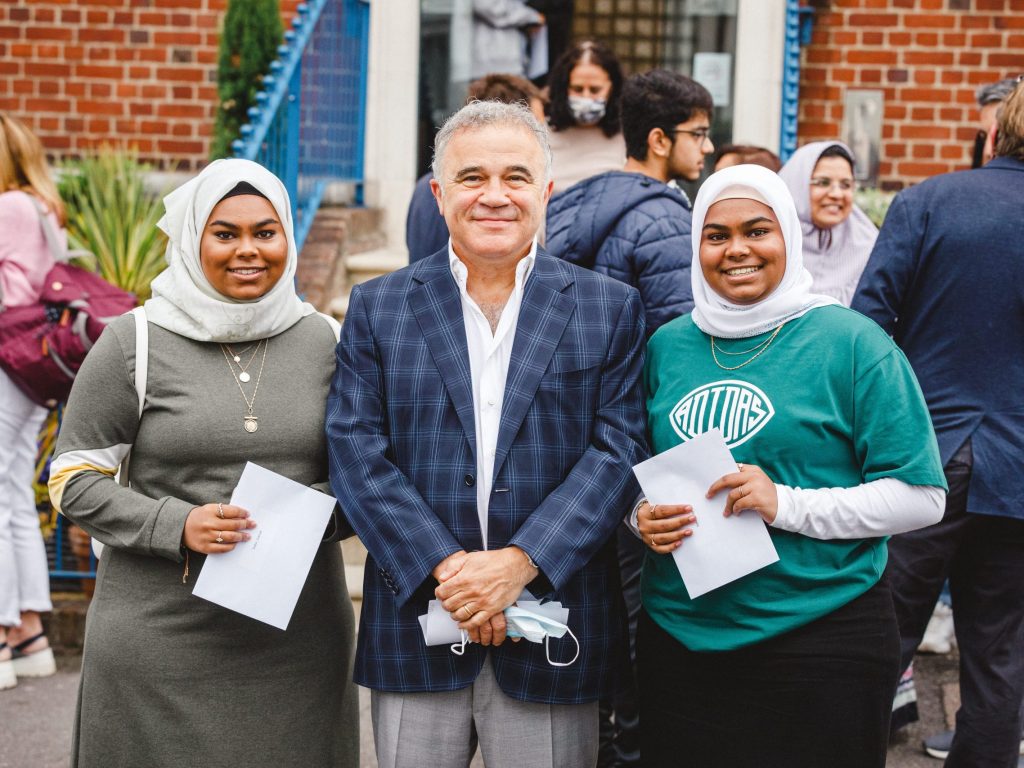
43, 345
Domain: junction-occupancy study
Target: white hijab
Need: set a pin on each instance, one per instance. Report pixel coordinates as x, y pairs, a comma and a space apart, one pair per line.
183, 300
792, 297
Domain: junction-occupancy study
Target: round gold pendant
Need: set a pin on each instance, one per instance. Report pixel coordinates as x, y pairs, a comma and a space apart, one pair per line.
250, 424
244, 377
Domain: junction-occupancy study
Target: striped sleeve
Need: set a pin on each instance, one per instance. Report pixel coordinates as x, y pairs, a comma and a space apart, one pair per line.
99, 427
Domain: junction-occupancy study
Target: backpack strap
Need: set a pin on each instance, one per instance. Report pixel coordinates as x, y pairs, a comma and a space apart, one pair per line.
58, 252
141, 377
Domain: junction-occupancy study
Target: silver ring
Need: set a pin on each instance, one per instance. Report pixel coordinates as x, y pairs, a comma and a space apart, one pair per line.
219, 538
220, 510
740, 466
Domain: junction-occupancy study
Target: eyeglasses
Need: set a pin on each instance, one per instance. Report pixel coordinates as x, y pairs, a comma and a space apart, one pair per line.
823, 182
701, 134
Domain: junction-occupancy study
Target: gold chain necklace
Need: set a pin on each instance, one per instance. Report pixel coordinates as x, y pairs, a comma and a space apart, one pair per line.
763, 346
244, 376
249, 422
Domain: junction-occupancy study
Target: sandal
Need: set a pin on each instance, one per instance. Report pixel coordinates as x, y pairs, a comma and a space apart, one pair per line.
36, 664
8, 677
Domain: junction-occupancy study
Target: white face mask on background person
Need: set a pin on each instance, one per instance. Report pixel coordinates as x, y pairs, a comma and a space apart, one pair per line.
587, 111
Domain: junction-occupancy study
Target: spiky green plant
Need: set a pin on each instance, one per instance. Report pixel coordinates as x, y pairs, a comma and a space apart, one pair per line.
112, 215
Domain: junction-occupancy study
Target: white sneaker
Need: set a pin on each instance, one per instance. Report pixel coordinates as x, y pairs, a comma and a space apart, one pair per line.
38, 664
939, 637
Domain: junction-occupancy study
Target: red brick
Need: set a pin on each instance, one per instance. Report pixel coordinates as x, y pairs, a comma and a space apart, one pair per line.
952, 76
101, 35
986, 40
870, 75
922, 114
969, 58
895, 150
972, 21
154, 91
98, 125
931, 20
100, 90
927, 38
924, 76
74, 52
1014, 21
921, 170
156, 55
45, 15
922, 151
930, 95
873, 20
93, 107
180, 38
179, 148
180, 110
95, 70
25, 87
951, 114
911, 131
872, 57
181, 130
991, 5
952, 152
48, 33
954, 39
47, 105
895, 112
899, 38
1014, 60
154, 19
44, 69
929, 58
180, 74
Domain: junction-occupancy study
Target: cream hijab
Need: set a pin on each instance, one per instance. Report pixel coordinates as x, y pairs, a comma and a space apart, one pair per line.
792, 297
183, 300
835, 257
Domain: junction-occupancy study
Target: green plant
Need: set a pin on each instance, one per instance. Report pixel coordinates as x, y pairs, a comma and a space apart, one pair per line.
111, 215
875, 203
248, 43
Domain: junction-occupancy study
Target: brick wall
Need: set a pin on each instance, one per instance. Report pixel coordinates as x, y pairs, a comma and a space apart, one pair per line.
143, 72
928, 56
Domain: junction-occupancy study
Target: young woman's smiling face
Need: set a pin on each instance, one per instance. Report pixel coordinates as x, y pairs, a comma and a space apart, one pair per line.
243, 249
742, 251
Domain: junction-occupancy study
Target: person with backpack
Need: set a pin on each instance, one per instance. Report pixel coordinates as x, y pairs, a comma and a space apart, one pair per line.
237, 370
25, 260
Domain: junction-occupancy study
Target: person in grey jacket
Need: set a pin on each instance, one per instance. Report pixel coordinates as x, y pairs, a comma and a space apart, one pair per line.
634, 224
499, 39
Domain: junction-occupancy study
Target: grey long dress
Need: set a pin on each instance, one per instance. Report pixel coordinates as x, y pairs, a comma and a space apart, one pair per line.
169, 679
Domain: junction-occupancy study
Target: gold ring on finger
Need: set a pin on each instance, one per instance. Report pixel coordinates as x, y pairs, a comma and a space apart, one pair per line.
220, 510
220, 537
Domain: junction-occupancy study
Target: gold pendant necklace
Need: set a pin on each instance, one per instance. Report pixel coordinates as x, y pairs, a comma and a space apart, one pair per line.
761, 347
244, 376
250, 423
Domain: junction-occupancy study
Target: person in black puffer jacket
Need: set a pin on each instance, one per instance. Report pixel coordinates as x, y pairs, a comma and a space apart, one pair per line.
634, 224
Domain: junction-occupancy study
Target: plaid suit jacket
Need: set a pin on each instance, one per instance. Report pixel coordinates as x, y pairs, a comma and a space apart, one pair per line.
400, 429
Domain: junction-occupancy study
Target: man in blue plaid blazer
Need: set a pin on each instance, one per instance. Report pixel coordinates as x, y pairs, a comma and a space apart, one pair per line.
482, 425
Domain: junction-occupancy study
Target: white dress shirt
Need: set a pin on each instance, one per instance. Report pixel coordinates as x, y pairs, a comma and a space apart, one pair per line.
489, 356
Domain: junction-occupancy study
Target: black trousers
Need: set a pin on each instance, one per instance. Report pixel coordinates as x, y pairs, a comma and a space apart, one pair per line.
983, 558
817, 697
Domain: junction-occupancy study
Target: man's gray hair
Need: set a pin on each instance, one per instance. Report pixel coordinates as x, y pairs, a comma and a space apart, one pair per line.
995, 92
483, 114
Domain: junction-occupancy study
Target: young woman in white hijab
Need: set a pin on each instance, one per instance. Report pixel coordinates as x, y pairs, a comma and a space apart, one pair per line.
238, 371
795, 664
838, 236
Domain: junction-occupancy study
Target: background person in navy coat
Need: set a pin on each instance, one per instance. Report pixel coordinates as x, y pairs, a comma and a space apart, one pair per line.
482, 425
944, 279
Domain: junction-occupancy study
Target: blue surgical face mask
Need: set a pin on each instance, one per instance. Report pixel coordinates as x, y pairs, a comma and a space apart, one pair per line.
587, 111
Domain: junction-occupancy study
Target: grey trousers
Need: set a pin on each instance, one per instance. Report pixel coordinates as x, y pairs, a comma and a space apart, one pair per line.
441, 730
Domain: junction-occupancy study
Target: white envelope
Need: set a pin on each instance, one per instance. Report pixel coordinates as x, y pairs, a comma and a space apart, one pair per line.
721, 549
262, 577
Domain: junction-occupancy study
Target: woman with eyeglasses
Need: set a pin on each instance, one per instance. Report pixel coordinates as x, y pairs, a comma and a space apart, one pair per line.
838, 236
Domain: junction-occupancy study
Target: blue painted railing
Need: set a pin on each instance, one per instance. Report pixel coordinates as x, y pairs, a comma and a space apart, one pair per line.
308, 122
790, 81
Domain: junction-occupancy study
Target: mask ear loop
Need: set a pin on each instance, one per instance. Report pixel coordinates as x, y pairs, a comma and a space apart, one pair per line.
547, 650
460, 648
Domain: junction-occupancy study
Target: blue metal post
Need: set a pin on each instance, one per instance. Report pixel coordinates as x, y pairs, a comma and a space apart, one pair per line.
790, 81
